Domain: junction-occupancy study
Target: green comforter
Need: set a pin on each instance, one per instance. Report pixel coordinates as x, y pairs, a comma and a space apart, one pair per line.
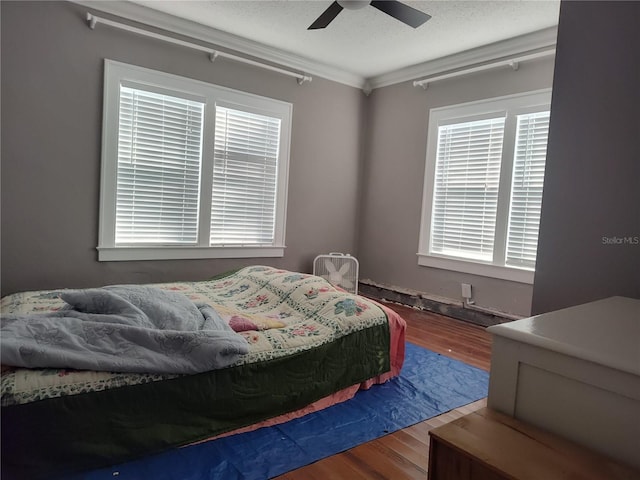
311, 340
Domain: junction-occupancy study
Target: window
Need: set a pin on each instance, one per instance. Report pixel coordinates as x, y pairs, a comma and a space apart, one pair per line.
483, 186
190, 169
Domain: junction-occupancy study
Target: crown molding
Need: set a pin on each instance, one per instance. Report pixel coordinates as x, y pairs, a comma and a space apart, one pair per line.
147, 16
538, 41
517, 46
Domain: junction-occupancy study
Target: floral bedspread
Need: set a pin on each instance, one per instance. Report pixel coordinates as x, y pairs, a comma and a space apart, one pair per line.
279, 313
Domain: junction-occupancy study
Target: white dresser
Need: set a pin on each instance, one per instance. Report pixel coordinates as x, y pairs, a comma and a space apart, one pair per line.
574, 372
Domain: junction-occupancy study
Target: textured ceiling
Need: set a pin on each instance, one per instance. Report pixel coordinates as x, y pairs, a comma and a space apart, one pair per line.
368, 42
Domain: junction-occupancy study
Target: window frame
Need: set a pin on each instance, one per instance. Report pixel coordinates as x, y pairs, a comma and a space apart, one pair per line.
510, 107
117, 73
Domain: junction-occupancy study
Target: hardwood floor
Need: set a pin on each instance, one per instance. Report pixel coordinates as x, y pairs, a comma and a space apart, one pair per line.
404, 454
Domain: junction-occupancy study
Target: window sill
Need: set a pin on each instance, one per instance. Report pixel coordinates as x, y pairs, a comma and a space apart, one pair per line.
110, 254
476, 268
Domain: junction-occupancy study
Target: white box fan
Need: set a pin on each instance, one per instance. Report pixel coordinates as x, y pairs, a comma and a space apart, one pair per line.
338, 269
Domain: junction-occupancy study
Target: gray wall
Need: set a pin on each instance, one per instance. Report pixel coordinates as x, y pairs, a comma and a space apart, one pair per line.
592, 181
395, 150
52, 67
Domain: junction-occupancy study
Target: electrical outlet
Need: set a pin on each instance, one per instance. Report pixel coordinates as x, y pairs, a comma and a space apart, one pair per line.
466, 290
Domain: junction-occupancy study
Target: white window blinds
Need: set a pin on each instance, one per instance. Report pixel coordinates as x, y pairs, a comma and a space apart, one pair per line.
526, 191
482, 195
467, 177
190, 169
243, 202
158, 168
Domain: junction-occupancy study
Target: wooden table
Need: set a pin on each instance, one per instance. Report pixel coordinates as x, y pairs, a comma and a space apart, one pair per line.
487, 445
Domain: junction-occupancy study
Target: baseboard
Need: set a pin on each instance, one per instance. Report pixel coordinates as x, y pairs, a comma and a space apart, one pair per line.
468, 313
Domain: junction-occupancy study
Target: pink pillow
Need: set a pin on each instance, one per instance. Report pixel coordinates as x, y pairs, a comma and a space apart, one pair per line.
241, 324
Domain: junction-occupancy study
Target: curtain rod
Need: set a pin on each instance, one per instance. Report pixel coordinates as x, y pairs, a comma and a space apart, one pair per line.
513, 62
93, 20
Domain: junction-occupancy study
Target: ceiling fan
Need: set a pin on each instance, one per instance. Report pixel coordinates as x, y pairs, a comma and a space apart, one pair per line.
397, 10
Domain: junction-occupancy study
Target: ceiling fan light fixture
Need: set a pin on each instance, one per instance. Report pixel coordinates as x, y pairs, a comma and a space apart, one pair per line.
354, 4
394, 8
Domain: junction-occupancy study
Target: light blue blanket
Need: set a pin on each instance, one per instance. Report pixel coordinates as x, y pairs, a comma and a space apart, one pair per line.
128, 328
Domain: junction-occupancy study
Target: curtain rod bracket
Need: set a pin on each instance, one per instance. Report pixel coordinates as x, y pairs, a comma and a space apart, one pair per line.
213, 55
421, 83
515, 65
304, 78
92, 21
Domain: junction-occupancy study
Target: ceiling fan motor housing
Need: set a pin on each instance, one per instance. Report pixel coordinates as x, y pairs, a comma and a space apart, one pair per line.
353, 4
394, 8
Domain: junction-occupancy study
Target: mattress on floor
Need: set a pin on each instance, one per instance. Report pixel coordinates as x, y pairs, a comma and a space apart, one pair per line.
315, 340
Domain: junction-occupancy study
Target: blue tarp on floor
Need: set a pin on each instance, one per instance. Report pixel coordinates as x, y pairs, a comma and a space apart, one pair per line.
429, 384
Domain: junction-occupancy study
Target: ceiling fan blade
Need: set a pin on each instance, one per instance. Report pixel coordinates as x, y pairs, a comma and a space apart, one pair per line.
402, 12
327, 17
